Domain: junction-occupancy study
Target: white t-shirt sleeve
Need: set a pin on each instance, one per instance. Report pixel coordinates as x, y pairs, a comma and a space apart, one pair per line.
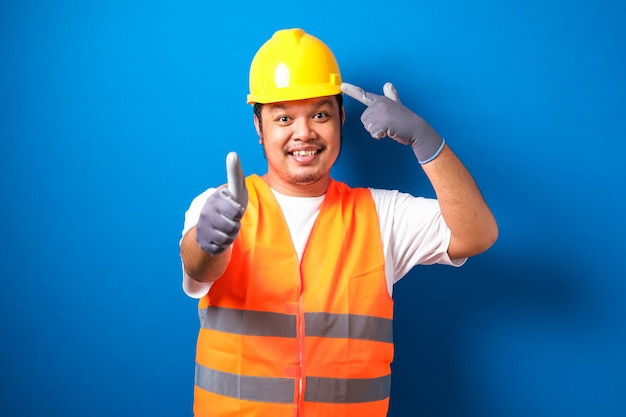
413, 232
191, 287
193, 212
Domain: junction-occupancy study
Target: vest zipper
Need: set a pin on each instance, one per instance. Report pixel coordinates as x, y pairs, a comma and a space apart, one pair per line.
300, 343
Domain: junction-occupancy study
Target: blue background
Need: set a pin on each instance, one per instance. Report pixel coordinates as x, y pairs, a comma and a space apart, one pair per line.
115, 114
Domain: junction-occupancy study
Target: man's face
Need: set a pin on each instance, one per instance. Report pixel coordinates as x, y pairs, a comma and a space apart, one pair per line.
301, 140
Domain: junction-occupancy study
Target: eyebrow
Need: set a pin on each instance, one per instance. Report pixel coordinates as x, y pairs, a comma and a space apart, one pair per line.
282, 107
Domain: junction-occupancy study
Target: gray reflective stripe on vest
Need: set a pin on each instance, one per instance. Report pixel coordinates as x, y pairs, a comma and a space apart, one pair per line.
347, 391
251, 388
350, 326
246, 322
262, 323
281, 390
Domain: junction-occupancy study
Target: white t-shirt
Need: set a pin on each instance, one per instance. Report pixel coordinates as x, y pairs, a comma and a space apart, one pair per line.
412, 228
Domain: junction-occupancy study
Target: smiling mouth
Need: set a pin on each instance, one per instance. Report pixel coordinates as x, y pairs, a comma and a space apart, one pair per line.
305, 153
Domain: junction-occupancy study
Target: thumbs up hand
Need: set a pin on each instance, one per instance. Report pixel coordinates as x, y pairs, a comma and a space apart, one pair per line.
220, 217
387, 116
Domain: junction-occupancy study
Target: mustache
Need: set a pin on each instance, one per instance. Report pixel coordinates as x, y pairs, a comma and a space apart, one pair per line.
313, 143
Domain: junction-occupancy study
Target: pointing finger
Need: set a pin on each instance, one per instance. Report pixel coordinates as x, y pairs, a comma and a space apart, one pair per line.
356, 93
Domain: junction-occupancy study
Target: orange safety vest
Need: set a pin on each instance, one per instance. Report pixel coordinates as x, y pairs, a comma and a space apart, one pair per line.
309, 339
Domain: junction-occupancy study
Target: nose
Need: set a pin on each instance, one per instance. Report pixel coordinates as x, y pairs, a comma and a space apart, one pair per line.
303, 129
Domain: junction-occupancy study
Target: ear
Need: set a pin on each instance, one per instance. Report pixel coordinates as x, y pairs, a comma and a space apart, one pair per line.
257, 126
343, 115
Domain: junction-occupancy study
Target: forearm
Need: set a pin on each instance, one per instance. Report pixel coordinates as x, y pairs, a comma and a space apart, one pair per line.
200, 265
472, 224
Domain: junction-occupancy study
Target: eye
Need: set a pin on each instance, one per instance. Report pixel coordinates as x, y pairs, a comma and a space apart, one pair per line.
320, 116
283, 119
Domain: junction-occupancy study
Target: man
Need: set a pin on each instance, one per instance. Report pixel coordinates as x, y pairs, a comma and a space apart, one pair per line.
294, 270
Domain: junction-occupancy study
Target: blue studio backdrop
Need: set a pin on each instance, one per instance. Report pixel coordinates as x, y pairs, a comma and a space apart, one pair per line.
115, 114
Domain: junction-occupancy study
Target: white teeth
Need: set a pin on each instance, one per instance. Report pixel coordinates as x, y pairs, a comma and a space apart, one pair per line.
303, 153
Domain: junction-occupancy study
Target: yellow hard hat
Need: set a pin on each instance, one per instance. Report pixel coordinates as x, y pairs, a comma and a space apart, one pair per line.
293, 65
